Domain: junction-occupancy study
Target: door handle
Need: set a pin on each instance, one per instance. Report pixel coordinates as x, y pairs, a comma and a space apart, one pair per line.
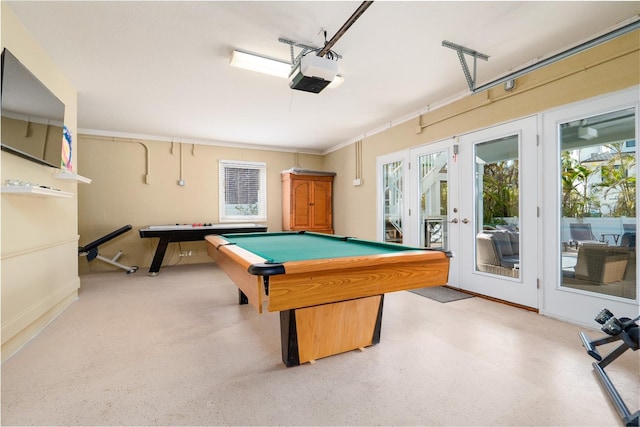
465, 221
454, 221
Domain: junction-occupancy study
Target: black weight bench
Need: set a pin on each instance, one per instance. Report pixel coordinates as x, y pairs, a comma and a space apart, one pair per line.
91, 250
627, 331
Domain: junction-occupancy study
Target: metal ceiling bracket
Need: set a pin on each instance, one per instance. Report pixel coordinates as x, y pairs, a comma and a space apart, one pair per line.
305, 48
295, 59
461, 51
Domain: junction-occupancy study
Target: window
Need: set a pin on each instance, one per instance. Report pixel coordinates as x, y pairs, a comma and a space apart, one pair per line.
243, 191
598, 190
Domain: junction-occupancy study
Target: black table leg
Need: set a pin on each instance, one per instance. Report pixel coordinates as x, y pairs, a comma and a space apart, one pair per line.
289, 338
159, 256
378, 327
242, 298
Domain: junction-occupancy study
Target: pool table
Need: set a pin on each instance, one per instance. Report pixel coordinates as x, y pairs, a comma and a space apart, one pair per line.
328, 289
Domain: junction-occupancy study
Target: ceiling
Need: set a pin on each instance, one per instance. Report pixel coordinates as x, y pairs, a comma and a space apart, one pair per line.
161, 69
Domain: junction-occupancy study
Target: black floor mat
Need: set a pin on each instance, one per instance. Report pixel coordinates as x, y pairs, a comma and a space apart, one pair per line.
441, 294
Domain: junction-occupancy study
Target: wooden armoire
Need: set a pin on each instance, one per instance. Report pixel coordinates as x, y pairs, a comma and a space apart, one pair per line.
307, 201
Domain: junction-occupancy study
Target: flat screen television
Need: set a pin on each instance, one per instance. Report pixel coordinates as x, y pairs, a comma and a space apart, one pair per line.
32, 116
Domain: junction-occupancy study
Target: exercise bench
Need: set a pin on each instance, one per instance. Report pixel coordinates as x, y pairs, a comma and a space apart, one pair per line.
91, 250
627, 331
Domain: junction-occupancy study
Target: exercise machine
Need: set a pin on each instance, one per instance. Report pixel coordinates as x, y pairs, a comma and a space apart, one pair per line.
625, 330
91, 250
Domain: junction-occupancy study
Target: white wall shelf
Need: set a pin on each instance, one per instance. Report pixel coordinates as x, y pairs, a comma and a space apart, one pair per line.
72, 176
27, 190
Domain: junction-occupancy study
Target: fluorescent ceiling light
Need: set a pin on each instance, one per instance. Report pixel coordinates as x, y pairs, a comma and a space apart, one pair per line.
260, 64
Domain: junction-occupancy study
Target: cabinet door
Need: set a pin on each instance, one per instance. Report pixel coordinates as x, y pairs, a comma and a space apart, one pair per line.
321, 205
301, 200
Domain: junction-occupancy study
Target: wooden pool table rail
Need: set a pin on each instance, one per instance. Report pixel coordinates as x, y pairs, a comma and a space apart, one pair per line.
235, 263
339, 279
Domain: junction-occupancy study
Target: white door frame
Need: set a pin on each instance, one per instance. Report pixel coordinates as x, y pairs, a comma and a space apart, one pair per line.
571, 305
524, 289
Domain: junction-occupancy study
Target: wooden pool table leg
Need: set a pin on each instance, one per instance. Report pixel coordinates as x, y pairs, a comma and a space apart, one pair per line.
291, 337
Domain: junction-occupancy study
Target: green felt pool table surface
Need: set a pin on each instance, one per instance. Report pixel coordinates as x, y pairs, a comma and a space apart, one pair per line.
295, 246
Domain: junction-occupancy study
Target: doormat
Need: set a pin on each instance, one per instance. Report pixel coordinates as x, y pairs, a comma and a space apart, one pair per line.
441, 294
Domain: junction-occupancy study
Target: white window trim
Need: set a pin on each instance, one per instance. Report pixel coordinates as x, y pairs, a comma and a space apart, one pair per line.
262, 198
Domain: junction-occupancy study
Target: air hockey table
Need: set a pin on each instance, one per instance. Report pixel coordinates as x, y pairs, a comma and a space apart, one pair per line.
189, 233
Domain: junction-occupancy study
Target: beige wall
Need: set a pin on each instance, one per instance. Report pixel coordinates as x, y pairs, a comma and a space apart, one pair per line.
118, 194
607, 68
39, 258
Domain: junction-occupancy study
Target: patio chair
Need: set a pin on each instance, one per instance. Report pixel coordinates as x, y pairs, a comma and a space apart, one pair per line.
581, 233
602, 264
629, 237
498, 253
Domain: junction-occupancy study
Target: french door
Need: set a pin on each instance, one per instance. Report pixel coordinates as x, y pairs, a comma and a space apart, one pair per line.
497, 219
449, 194
505, 199
433, 200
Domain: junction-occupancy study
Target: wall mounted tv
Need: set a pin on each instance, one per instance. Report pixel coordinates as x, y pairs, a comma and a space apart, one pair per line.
32, 116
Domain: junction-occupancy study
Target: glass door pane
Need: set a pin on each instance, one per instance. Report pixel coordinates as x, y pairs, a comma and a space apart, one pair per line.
497, 198
392, 183
598, 203
433, 193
